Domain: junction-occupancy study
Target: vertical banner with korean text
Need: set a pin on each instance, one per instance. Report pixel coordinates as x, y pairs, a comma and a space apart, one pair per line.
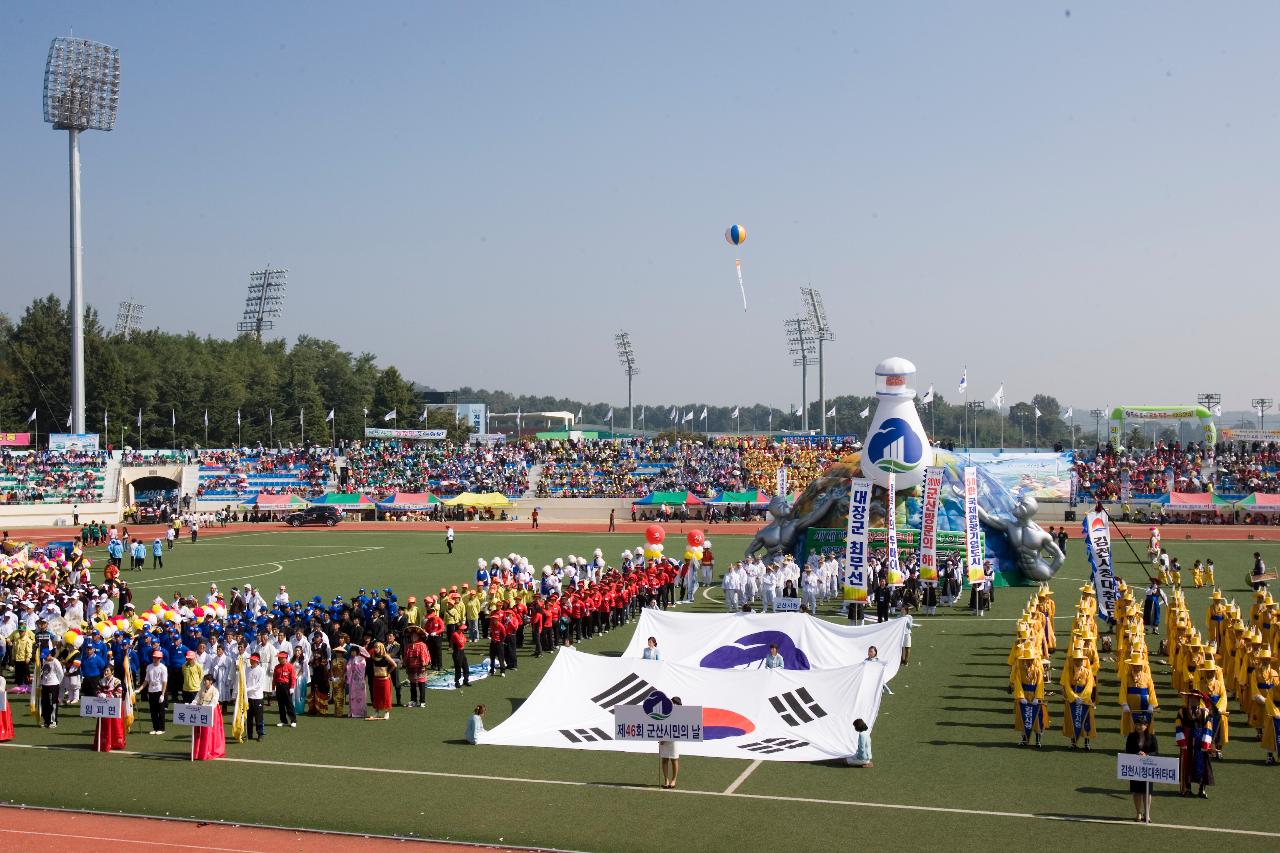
972, 527
892, 569
929, 527
1097, 533
855, 586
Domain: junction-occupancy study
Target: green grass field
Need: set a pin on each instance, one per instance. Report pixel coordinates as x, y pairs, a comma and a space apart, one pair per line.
945, 746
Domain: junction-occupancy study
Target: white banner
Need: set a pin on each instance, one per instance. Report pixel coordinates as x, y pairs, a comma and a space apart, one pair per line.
411, 434
786, 605
774, 715
200, 716
92, 706
657, 718
1146, 768
893, 572
972, 527
780, 488
855, 558
929, 527
1262, 435
1097, 533
742, 640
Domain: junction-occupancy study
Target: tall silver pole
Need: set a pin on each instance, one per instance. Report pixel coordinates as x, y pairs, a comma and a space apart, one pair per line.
822, 391
77, 287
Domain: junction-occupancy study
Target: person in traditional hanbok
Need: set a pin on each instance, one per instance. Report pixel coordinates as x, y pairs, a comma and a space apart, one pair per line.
338, 682
357, 685
209, 742
108, 733
299, 693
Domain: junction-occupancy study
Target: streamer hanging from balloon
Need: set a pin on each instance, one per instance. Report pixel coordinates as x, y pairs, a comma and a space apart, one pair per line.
736, 235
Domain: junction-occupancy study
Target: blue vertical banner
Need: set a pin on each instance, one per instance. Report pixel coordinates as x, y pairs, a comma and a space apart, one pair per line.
856, 536
1097, 534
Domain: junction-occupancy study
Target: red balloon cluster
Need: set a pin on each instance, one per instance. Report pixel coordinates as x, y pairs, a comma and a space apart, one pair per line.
696, 538
654, 534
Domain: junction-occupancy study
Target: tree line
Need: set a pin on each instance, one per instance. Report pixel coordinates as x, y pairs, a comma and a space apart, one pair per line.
175, 377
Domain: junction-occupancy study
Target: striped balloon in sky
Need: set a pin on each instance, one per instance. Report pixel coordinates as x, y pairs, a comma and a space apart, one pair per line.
736, 235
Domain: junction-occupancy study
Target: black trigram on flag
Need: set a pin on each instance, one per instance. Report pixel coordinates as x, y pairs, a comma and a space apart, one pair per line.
628, 691
771, 745
797, 707
584, 735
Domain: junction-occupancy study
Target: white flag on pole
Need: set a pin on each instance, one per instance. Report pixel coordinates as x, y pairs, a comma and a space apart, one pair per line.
1217, 411
1037, 408
389, 416
271, 417
832, 413
928, 396
1068, 414
998, 399
302, 416
366, 413
734, 413
688, 416
609, 416
69, 420
703, 416
964, 380
579, 414
423, 417
673, 414
330, 417
237, 417
206, 418
139, 418
33, 416
173, 418
865, 412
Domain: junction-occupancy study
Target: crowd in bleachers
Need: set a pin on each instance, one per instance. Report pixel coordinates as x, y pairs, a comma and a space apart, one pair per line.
306, 472
1248, 468
43, 476
1151, 471
382, 467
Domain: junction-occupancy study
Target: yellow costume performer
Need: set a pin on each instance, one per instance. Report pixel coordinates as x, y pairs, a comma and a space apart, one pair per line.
1077, 699
1030, 712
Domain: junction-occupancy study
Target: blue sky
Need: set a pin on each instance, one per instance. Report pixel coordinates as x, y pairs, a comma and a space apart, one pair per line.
1073, 198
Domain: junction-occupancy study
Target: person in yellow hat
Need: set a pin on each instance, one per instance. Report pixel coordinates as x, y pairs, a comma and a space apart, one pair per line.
1208, 573
1077, 699
1215, 618
1209, 682
1265, 695
1031, 715
1137, 691
1197, 574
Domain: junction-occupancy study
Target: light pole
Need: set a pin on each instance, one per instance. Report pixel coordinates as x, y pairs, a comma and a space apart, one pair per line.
1260, 405
817, 317
800, 340
627, 358
975, 406
81, 92
1097, 425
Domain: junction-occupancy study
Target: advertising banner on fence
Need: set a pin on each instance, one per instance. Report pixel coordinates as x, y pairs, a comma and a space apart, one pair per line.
972, 527
407, 434
656, 717
929, 526
1097, 534
742, 640
15, 439
62, 442
855, 538
1266, 436
771, 715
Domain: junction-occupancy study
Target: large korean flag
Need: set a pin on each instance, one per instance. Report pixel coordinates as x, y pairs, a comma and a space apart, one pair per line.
771, 714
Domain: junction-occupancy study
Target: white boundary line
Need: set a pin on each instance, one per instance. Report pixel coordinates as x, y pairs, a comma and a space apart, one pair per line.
647, 788
742, 777
132, 841
168, 579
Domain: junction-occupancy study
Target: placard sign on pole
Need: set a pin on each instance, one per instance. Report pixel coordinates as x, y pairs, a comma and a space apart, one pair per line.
193, 715
91, 706
786, 605
893, 573
1147, 768
662, 720
929, 527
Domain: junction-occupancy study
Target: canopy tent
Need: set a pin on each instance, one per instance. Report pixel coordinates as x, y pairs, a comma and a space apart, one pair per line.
669, 499
768, 715
275, 502
408, 501
1193, 502
1259, 502
346, 501
755, 496
487, 499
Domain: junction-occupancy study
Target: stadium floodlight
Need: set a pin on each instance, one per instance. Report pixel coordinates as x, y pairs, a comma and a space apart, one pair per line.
1260, 405
801, 340
129, 318
817, 316
627, 358
81, 92
265, 302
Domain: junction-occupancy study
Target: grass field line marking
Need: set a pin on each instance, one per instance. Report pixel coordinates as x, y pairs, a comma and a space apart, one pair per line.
167, 578
742, 777
278, 568
133, 841
613, 787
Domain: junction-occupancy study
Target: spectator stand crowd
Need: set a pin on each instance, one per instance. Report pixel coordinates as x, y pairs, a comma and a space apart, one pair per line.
45, 476
225, 474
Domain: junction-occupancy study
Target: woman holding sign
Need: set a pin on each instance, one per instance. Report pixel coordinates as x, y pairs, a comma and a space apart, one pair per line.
1141, 741
209, 742
108, 734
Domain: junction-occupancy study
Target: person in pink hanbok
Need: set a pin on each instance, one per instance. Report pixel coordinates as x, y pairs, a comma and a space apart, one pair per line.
357, 684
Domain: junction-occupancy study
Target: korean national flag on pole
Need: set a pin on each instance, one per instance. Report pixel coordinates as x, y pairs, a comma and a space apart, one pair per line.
389, 416
330, 417
609, 416
832, 413
964, 380
734, 413
928, 396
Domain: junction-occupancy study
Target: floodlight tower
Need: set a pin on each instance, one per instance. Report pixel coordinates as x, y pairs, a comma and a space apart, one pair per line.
1260, 405
265, 302
81, 92
627, 358
817, 317
801, 338
129, 318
